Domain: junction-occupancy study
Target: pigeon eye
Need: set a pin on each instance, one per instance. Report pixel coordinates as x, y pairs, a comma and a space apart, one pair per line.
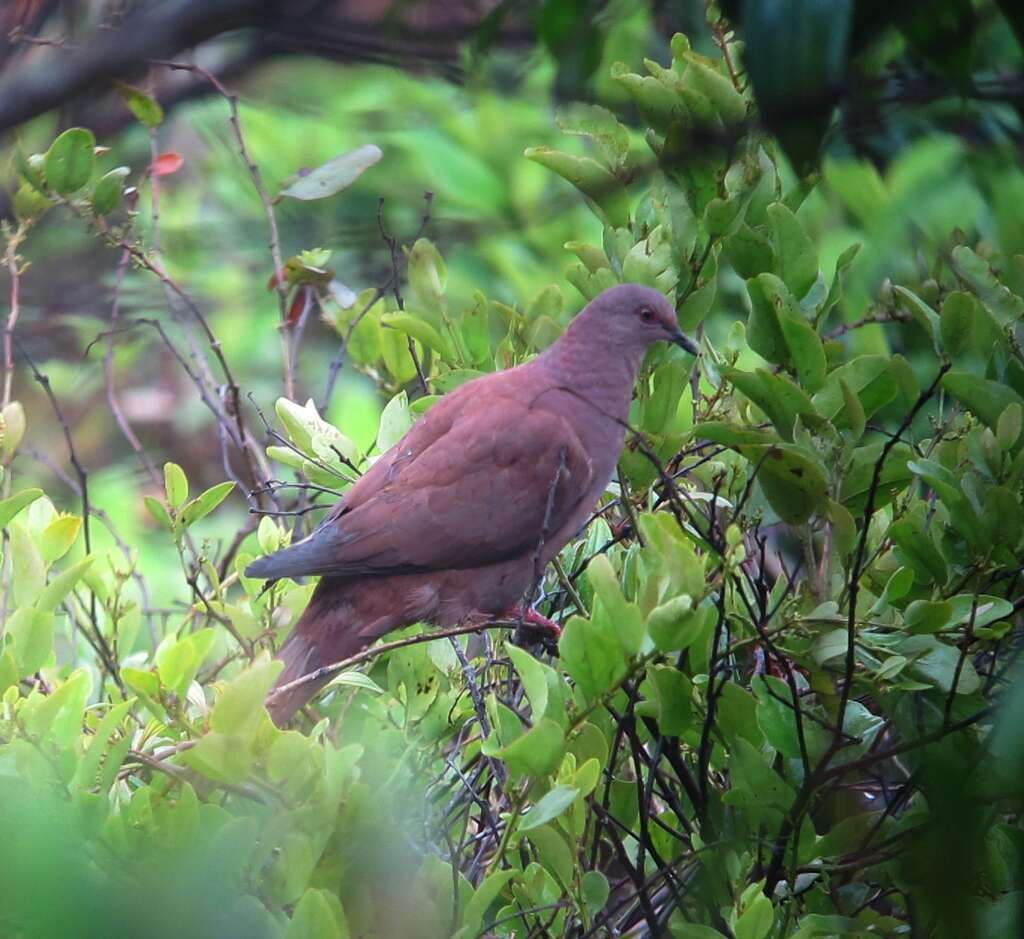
646, 314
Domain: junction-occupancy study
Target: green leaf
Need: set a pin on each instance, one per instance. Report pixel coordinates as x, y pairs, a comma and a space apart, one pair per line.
159, 511
835, 291
860, 472
87, 774
793, 482
805, 349
145, 683
485, 896
779, 331
11, 506
141, 105
12, 428
597, 183
28, 568
69, 160
844, 528
826, 926
548, 807
314, 918
929, 320
734, 435
53, 594
681, 930
797, 259
628, 620
764, 333
927, 616
935, 662
56, 539
1008, 427
536, 753
989, 610
205, 503
986, 399
268, 535
750, 253
718, 88
534, 676
353, 679
420, 330
695, 308
553, 852
776, 716
107, 193
598, 123
591, 654
750, 771
869, 376
854, 415
1003, 516
891, 667
670, 699
897, 587
596, 890
395, 422
957, 322
60, 713
29, 203
660, 105
676, 624
830, 645
178, 660
31, 631
334, 175
780, 399
756, 920
239, 709
175, 485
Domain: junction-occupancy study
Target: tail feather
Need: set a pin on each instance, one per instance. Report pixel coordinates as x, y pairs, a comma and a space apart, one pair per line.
332, 628
312, 555
300, 656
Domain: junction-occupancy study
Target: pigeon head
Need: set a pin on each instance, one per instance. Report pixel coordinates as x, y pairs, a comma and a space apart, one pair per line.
632, 317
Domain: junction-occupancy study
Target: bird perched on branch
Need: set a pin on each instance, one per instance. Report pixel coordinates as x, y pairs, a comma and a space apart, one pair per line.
457, 521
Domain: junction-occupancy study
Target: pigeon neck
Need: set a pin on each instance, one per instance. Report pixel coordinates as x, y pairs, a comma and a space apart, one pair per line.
585, 362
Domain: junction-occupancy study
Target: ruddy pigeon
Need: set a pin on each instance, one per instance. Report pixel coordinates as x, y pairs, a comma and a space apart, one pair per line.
458, 519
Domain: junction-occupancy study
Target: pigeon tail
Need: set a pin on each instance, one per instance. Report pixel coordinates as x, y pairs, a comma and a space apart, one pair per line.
300, 656
324, 634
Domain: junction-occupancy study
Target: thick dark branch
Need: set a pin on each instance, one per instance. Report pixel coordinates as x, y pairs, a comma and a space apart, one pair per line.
60, 74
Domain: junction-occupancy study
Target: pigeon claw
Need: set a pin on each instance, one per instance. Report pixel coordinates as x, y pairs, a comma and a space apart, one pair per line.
535, 628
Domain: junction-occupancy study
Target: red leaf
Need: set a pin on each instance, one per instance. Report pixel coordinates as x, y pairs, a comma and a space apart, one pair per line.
274, 281
167, 163
300, 302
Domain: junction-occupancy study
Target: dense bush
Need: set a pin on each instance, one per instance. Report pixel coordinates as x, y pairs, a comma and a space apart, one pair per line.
783, 700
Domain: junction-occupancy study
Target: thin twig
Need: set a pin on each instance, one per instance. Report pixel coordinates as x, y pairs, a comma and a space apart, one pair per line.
334, 668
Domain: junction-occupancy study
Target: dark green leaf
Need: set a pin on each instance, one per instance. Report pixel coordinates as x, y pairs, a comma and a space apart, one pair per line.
986, 399
106, 196
957, 322
797, 259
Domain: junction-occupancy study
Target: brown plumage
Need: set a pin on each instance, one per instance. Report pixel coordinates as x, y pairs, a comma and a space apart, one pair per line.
455, 521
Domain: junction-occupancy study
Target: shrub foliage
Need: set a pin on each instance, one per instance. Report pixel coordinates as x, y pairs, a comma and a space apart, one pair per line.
781, 706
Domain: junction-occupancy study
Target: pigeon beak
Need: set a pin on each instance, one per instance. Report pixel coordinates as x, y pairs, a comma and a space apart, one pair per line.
679, 338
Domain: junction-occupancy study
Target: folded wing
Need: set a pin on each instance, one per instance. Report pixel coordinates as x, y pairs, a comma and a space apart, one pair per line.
491, 485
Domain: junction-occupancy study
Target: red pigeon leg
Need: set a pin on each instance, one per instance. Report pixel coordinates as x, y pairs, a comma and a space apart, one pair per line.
538, 628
